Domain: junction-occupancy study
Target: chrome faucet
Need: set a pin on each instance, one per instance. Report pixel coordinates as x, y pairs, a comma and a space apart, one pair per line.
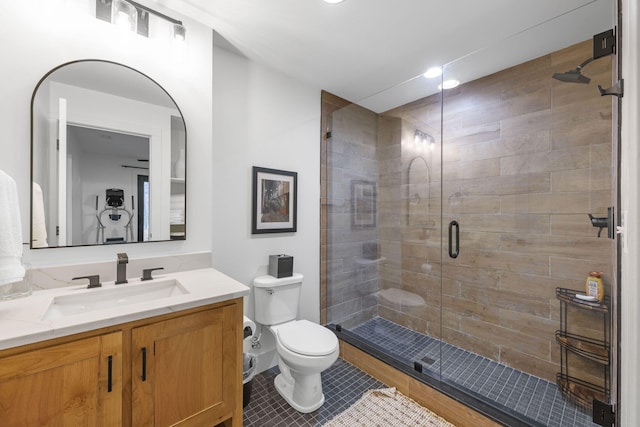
121, 268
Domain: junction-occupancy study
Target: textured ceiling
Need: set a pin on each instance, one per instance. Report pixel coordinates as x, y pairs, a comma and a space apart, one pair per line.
363, 50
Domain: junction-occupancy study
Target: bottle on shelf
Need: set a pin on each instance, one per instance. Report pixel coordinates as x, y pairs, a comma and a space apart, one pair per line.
595, 287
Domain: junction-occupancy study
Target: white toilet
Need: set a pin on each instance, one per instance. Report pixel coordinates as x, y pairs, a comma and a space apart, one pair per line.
304, 348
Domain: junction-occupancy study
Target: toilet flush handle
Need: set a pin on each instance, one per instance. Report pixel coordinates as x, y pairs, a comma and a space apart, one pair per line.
270, 291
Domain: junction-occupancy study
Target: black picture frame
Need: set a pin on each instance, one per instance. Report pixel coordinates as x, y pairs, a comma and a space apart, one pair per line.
363, 204
274, 201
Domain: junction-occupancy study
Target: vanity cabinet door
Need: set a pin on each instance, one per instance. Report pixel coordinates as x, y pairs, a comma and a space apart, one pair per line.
73, 384
186, 371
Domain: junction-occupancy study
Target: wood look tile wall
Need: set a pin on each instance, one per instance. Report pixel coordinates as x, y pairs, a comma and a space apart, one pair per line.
350, 280
520, 161
524, 159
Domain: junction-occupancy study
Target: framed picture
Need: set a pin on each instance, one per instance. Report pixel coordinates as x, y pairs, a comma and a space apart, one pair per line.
274, 201
363, 208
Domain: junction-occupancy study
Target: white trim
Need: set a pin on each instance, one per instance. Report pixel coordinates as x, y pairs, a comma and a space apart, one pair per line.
630, 295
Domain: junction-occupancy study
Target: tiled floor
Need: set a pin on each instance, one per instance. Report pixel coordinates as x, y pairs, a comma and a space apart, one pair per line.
531, 396
342, 385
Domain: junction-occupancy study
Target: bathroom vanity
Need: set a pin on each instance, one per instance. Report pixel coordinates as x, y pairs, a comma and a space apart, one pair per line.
174, 360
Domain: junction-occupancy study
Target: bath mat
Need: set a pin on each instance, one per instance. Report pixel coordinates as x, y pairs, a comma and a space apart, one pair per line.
387, 407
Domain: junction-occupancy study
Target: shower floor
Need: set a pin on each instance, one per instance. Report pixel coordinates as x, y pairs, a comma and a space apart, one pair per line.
533, 397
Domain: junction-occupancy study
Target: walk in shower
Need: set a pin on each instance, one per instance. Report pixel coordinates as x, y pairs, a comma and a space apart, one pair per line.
456, 225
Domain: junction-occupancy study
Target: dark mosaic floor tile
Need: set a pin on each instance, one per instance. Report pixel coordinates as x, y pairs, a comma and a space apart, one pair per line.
342, 385
531, 396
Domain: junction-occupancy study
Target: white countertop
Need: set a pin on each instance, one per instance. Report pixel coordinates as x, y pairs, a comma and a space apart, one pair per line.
22, 321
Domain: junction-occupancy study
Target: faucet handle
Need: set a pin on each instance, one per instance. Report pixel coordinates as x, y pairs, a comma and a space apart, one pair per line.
146, 273
94, 280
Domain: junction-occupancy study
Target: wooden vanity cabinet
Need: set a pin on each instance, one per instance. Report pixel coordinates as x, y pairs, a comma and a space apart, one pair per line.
185, 370
78, 383
179, 369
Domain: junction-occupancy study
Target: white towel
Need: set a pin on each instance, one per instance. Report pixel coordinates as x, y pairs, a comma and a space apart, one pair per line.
11, 269
38, 225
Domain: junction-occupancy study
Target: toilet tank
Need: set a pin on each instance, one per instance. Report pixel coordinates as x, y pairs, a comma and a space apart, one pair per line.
276, 300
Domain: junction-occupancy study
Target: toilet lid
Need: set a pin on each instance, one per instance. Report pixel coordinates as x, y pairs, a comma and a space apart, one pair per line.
307, 338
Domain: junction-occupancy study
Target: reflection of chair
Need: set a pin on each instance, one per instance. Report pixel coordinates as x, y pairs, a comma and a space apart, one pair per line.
115, 207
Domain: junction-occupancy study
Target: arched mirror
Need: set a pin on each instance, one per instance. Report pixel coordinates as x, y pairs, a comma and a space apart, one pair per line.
108, 159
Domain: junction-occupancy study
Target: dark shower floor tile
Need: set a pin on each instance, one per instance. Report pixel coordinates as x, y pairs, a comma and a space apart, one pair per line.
342, 384
533, 397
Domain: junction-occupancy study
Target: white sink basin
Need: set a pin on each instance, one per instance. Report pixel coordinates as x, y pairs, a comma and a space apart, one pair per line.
112, 296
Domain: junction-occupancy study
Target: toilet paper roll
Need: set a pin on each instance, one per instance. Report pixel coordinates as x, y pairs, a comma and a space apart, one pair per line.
248, 323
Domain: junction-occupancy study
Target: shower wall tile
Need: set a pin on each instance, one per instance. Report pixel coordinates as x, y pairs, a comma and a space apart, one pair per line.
568, 267
459, 203
573, 224
549, 161
524, 160
530, 364
506, 261
572, 180
577, 202
351, 155
528, 324
508, 299
479, 345
503, 185
534, 346
600, 200
510, 146
517, 223
585, 135
601, 177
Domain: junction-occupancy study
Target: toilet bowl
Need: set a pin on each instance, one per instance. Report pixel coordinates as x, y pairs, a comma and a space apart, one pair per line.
305, 349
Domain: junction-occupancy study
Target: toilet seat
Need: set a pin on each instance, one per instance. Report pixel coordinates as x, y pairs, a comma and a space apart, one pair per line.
307, 338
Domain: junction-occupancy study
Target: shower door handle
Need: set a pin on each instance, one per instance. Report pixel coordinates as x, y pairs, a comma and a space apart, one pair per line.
454, 224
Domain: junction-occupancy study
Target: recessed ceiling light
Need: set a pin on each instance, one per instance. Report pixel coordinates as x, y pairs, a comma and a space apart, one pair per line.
449, 84
333, 1
433, 72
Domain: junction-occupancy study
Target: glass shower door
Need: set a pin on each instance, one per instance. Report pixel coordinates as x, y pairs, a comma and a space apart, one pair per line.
526, 158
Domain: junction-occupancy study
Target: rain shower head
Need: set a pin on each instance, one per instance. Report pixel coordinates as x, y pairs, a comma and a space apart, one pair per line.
575, 75
572, 76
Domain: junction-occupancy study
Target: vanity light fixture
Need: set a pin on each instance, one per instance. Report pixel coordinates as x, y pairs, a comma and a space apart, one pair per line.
134, 16
421, 139
333, 1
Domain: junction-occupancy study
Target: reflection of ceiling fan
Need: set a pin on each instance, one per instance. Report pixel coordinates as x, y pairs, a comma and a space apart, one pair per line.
137, 167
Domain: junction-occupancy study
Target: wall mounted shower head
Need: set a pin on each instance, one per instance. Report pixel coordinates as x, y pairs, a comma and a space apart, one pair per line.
572, 76
575, 75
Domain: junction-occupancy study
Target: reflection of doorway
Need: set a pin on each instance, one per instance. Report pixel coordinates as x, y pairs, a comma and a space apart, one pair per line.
143, 208
100, 159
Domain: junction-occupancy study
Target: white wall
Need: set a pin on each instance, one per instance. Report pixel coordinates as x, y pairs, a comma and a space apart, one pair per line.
40, 35
264, 118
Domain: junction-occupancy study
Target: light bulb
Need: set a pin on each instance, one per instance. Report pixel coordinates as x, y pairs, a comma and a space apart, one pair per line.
449, 84
179, 32
124, 15
433, 72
